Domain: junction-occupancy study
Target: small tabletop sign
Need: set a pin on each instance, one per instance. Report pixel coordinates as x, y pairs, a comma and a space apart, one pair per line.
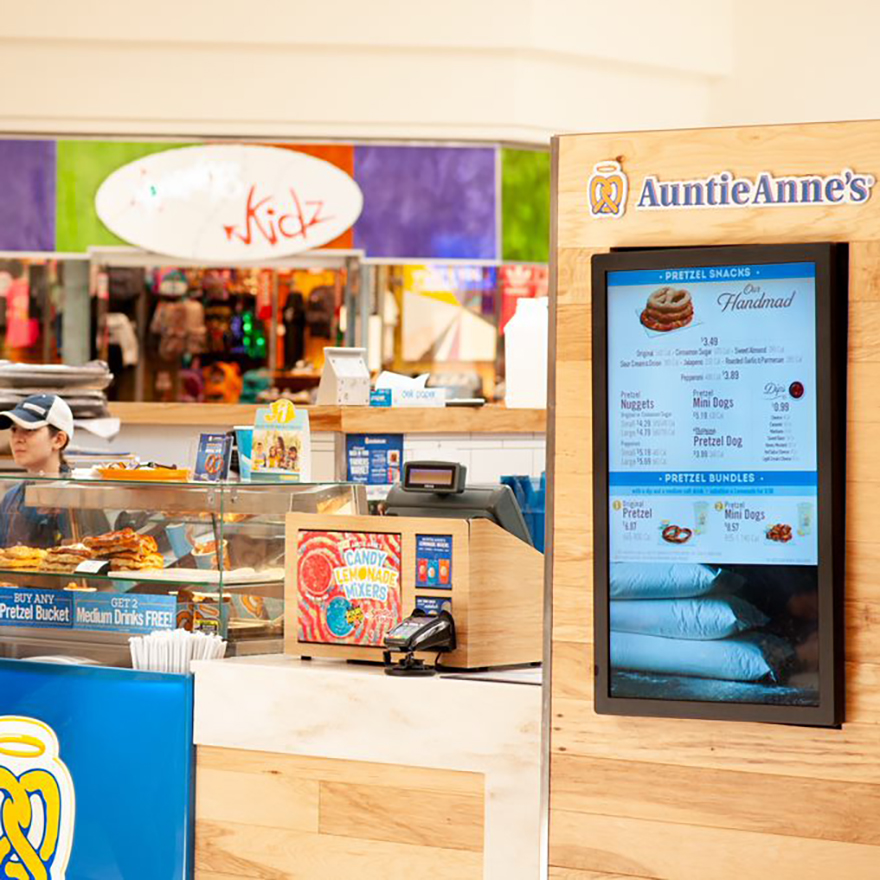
212, 460
282, 448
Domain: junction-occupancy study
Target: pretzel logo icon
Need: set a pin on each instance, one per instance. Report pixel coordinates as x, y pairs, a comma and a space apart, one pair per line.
607, 190
37, 805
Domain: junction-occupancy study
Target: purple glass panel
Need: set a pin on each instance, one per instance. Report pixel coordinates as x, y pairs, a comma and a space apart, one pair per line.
426, 202
27, 195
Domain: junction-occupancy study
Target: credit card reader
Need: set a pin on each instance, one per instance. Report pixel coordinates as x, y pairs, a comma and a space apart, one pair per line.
419, 632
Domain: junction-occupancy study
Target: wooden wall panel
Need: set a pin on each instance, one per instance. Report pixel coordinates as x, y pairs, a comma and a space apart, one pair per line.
263, 815
863, 693
844, 811
864, 271
702, 800
691, 852
573, 670
849, 754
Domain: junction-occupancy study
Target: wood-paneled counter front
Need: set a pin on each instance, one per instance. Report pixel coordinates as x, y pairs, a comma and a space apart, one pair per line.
263, 814
309, 771
673, 799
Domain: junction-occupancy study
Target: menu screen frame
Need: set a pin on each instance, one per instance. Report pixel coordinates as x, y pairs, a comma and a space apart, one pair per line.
831, 301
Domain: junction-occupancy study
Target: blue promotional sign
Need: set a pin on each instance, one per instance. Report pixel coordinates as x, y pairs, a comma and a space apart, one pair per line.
124, 613
110, 756
31, 607
434, 561
374, 459
105, 612
212, 460
433, 604
281, 448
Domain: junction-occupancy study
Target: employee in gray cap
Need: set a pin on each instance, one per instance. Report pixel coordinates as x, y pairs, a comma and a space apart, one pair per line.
41, 427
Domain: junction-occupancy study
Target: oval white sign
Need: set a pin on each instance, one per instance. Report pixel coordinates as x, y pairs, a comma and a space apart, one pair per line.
232, 203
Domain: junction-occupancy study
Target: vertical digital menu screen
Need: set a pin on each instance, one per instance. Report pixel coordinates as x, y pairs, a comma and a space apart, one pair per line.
712, 483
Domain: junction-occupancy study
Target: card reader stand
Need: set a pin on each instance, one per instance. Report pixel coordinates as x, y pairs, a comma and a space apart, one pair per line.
419, 632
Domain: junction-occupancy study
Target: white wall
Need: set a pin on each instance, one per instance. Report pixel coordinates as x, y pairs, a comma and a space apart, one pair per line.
810, 61
462, 69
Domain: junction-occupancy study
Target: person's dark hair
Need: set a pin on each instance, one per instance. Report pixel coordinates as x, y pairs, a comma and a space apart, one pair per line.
65, 465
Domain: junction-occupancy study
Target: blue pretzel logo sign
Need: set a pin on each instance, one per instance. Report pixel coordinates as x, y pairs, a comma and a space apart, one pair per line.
37, 804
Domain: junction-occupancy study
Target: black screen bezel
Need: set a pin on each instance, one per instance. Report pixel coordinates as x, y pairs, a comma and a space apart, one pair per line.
831, 347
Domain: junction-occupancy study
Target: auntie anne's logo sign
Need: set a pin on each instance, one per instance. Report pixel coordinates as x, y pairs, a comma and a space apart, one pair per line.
608, 186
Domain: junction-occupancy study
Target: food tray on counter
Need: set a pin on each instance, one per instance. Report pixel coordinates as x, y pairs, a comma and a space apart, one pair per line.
146, 475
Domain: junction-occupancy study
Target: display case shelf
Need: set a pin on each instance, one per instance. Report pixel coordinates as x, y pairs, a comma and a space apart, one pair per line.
197, 499
187, 577
241, 597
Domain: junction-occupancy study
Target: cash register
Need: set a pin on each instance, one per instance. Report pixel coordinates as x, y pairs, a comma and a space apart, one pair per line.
439, 489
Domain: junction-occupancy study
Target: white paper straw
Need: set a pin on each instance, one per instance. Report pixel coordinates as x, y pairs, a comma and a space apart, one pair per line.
174, 650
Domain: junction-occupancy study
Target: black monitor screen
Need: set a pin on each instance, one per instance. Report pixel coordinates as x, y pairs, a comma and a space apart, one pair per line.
435, 476
716, 478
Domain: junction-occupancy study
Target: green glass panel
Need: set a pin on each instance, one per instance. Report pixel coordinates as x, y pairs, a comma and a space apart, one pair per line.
525, 206
82, 167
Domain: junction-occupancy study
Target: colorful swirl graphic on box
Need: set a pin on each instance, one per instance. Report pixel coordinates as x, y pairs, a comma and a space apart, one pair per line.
349, 587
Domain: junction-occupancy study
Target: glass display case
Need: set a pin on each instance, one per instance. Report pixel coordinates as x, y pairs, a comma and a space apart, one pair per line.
86, 563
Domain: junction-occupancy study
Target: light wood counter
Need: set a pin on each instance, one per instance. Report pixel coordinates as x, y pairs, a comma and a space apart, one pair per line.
345, 420
212, 415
